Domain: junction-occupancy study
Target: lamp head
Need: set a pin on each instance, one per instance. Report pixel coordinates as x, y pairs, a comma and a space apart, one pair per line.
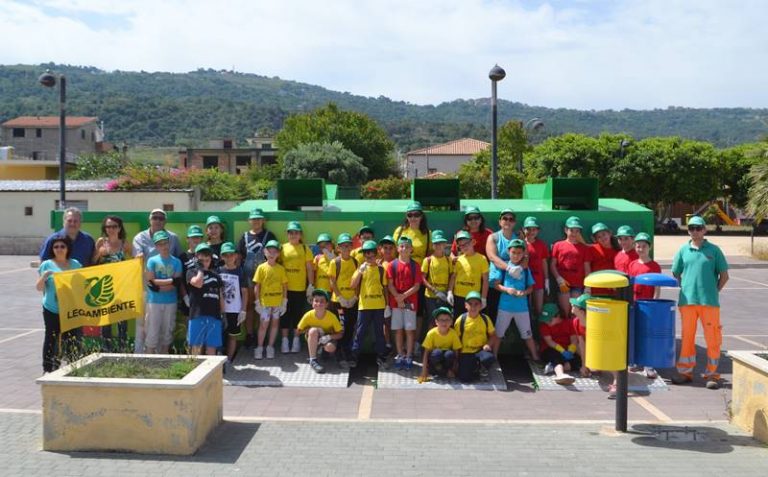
497, 73
47, 79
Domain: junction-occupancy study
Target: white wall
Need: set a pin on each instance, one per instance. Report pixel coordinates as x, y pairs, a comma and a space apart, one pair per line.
416, 166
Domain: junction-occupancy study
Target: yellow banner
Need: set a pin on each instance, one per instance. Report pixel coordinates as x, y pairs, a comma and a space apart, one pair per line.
100, 295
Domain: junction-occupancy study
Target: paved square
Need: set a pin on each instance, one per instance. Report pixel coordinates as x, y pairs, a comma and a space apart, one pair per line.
637, 382
289, 370
401, 379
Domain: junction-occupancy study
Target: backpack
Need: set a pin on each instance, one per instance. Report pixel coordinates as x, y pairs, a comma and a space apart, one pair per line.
337, 261
463, 323
254, 253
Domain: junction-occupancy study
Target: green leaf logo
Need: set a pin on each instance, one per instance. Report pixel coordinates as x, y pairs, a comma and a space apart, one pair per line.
99, 291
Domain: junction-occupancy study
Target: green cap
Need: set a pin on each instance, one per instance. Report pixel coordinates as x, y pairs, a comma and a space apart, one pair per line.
531, 222
625, 231
414, 207
322, 293
368, 245
549, 311
160, 235
272, 244
343, 238
365, 228
256, 214
293, 225
473, 295
573, 223
642, 236
214, 219
516, 243
471, 209
404, 240
323, 238
581, 301
438, 238
228, 247
507, 211
195, 231
599, 227
387, 239
203, 248
463, 235
443, 310
697, 220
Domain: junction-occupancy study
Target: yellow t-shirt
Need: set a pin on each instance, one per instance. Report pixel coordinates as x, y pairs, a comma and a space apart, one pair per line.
422, 246
322, 267
469, 272
437, 271
329, 323
475, 333
434, 340
271, 280
344, 282
294, 258
371, 289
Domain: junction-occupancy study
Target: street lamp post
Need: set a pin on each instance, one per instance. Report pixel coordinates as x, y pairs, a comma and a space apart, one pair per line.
48, 80
496, 74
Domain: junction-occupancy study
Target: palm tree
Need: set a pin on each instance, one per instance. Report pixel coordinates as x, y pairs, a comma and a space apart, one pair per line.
757, 204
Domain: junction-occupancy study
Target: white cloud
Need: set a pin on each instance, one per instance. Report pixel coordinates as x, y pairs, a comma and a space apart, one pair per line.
589, 55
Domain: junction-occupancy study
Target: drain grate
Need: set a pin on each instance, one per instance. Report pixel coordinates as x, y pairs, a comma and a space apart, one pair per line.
680, 435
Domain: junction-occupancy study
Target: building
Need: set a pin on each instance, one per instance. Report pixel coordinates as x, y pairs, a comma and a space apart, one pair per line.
33, 143
442, 158
225, 156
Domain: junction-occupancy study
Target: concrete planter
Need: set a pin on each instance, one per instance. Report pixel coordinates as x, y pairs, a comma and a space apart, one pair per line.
749, 406
150, 416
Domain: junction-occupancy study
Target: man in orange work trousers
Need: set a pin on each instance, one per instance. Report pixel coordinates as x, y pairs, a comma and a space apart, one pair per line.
702, 271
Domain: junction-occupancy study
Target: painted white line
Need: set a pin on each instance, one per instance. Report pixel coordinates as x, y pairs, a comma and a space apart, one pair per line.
18, 336
655, 411
17, 270
748, 281
453, 421
21, 329
20, 411
744, 288
748, 341
366, 403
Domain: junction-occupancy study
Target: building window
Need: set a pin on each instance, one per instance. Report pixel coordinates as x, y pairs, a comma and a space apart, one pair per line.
266, 145
35, 155
210, 162
18, 132
243, 160
27, 211
268, 160
168, 207
431, 171
82, 134
38, 132
93, 136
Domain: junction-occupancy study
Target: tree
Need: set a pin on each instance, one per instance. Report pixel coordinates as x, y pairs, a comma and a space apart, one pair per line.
475, 179
757, 204
355, 131
99, 166
734, 165
326, 161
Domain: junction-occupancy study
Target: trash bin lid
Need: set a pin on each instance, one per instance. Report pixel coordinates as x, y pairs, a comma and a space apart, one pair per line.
656, 280
607, 279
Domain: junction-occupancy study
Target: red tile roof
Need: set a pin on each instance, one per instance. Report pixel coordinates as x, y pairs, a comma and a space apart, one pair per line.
48, 121
459, 147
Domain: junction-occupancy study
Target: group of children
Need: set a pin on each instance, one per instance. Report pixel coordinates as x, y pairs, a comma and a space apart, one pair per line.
382, 286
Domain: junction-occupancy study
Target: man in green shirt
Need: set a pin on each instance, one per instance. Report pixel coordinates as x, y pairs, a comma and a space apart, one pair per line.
702, 271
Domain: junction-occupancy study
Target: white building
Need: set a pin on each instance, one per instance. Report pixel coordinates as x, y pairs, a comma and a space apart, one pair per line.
444, 158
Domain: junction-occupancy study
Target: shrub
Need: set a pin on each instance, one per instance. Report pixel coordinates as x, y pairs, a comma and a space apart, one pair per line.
389, 188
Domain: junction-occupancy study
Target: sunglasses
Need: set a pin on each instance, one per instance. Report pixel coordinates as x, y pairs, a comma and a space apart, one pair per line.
158, 217
507, 218
59, 246
473, 217
414, 215
696, 228
113, 226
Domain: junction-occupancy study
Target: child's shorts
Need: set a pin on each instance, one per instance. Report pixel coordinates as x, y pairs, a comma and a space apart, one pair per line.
522, 321
269, 313
550, 355
233, 329
204, 330
159, 324
403, 319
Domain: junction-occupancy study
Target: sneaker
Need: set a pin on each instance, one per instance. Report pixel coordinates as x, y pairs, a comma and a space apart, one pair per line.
681, 379
382, 363
258, 353
316, 366
296, 345
549, 368
650, 373
398, 362
407, 363
284, 347
565, 380
270, 352
484, 372
713, 383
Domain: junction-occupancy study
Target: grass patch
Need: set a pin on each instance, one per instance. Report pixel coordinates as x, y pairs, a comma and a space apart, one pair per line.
760, 252
137, 368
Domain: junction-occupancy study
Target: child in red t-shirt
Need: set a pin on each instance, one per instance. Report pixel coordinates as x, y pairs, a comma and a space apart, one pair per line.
603, 251
644, 264
558, 344
538, 256
627, 254
404, 279
570, 263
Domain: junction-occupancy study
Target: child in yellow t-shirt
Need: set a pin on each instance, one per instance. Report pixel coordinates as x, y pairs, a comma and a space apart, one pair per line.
372, 282
441, 345
436, 272
322, 327
271, 292
478, 337
470, 273
322, 261
344, 298
296, 257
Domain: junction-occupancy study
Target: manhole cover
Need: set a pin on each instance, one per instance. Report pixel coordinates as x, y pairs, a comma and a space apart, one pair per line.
680, 435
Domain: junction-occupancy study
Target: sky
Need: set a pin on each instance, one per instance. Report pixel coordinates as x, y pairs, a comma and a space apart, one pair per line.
583, 54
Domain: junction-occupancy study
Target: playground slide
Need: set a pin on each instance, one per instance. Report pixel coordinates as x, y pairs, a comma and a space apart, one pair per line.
723, 216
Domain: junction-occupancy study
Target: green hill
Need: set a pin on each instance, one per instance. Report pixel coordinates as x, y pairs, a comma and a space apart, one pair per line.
190, 108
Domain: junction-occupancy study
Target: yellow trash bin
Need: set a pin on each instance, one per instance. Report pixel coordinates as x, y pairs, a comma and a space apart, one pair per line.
606, 334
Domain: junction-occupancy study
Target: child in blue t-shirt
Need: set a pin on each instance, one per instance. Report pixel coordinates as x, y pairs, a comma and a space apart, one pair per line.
163, 274
513, 303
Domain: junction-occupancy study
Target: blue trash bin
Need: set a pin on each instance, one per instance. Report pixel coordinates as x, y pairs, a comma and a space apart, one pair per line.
654, 333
